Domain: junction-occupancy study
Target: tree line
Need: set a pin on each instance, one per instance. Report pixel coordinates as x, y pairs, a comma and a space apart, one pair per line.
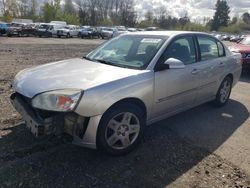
119, 12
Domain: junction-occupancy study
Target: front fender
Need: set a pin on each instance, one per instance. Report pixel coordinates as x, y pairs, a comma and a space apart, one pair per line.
97, 100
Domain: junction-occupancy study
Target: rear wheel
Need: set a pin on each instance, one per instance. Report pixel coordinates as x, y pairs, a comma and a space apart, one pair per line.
120, 129
224, 92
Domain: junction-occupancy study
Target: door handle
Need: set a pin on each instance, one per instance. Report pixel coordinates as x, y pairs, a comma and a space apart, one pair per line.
221, 64
195, 71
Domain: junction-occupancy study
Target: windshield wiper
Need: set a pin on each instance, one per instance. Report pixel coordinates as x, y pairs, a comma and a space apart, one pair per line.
87, 58
110, 63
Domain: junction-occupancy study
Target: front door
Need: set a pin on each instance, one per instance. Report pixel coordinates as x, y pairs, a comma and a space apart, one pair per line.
176, 89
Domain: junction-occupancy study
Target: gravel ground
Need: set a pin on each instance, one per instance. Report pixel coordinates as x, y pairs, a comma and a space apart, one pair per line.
163, 159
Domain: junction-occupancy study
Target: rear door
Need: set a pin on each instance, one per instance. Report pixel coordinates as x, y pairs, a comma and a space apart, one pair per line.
211, 66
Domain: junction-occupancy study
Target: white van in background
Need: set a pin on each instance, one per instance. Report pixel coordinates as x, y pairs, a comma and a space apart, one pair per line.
59, 23
53, 29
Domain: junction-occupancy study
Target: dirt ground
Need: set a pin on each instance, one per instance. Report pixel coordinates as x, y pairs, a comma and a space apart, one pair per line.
203, 147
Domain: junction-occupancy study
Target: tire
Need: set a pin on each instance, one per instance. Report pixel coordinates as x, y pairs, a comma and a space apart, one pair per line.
121, 136
58, 36
68, 35
223, 93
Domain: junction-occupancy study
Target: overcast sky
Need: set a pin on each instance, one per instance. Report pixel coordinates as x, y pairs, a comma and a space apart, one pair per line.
196, 9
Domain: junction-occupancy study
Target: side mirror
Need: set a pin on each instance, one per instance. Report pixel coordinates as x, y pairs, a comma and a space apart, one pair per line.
174, 63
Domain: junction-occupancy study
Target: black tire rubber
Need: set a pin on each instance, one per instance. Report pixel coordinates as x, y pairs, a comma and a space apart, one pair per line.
217, 102
101, 142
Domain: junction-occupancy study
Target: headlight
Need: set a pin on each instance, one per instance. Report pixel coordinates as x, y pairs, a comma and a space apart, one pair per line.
58, 100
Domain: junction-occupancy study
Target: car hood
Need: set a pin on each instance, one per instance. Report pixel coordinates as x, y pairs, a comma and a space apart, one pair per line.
68, 74
240, 48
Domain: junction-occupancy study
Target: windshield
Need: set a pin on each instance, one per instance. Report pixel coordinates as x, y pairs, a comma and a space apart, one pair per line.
246, 41
43, 26
129, 51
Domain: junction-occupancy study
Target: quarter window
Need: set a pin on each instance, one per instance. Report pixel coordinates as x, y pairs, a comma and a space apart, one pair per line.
221, 49
208, 48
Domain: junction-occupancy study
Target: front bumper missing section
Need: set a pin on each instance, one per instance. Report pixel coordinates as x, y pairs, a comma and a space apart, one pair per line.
83, 130
37, 126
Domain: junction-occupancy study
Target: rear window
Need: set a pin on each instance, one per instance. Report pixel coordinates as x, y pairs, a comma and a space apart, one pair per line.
208, 48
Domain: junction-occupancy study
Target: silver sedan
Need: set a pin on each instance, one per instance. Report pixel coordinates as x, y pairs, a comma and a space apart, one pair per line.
105, 99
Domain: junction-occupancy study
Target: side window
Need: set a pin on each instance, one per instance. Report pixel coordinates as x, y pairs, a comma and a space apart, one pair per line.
221, 49
182, 49
208, 48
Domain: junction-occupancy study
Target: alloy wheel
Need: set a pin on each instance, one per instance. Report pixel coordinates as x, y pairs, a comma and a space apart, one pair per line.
122, 130
225, 91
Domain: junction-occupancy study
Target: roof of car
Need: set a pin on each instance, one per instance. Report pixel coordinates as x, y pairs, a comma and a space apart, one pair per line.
165, 33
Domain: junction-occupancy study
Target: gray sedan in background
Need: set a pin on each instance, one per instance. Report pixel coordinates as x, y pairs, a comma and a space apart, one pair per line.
105, 99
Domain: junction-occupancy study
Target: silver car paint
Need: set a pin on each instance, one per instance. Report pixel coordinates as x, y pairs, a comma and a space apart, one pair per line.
164, 93
67, 74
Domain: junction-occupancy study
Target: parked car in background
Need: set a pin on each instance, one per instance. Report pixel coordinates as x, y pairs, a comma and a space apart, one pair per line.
120, 30
218, 36
43, 30
243, 47
3, 28
90, 32
106, 99
225, 37
68, 31
54, 28
131, 29
48, 29
15, 29
81, 29
108, 32
21, 29
234, 38
151, 28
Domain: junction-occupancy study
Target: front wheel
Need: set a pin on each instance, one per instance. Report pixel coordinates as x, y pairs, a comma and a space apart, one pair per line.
120, 129
223, 92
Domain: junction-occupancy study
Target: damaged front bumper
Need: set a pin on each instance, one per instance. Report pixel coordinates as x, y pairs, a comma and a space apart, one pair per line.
82, 129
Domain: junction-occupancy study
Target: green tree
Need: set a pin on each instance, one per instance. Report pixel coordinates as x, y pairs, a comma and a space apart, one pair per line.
234, 21
69, 7
221, 17
246, 18
51, 11
149, 17
48, 12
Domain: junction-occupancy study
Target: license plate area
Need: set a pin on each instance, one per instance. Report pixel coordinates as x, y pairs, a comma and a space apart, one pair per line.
36, 126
